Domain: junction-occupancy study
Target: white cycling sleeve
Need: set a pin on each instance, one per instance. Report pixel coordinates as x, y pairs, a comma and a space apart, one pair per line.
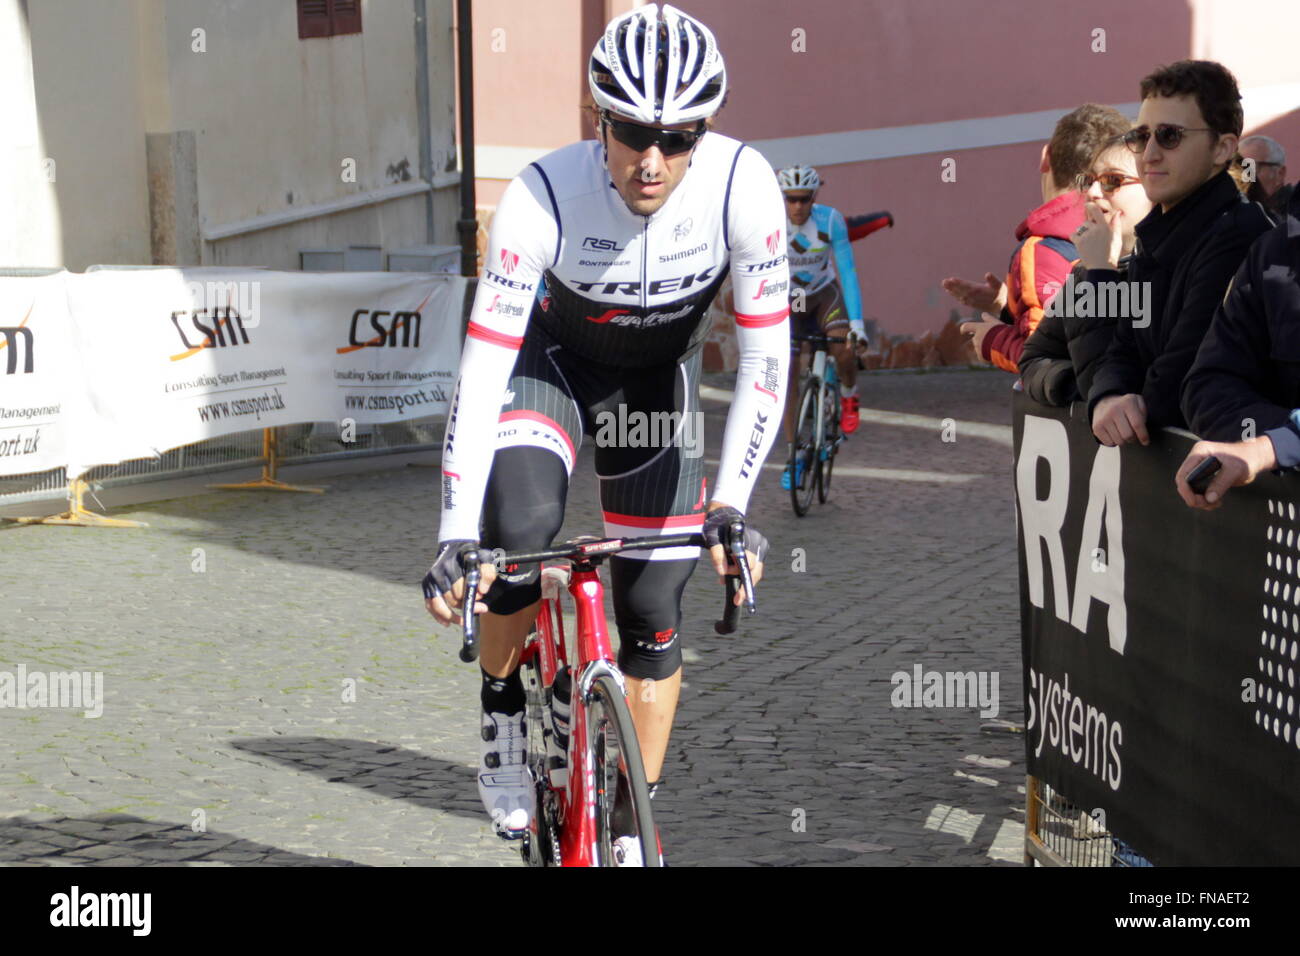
521, 246
760, 281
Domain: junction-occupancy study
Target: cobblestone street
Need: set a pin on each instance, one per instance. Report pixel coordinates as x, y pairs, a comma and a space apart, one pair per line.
234, 632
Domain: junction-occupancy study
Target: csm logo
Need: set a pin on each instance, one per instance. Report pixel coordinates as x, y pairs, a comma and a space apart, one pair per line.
391, 328
226, 329
12, 336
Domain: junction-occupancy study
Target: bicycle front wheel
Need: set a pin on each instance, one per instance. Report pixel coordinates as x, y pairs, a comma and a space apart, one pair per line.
622, 796
803, 455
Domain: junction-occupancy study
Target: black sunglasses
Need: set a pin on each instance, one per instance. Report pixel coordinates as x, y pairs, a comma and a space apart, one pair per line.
671, 142
1168, 136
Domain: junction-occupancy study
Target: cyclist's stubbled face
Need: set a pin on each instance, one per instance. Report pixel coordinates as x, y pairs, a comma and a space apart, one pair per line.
798, 206
645, 179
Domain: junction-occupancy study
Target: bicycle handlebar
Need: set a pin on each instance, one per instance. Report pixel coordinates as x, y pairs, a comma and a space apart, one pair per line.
595, 550
814, 337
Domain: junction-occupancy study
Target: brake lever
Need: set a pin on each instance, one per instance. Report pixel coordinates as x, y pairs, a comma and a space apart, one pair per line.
737, 547
469, 645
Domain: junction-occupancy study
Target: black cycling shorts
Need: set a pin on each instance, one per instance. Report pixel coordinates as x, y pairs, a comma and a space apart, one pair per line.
647, 428
823, 311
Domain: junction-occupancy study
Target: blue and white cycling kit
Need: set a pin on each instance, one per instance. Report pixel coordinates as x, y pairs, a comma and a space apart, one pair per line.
811, 247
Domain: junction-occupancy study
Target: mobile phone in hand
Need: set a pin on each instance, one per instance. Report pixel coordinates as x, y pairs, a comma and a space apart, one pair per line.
1199, 478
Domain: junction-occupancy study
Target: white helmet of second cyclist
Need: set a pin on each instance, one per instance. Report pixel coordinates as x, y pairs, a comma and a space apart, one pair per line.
657, 66
799, 177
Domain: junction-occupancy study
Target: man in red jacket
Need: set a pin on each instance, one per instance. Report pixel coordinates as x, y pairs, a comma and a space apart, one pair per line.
1043, 259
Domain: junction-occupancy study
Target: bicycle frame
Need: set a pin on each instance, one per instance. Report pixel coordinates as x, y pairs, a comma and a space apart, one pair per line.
577, 812
576, 804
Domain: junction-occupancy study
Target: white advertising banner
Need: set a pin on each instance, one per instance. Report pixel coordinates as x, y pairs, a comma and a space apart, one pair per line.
179, 355
40, 374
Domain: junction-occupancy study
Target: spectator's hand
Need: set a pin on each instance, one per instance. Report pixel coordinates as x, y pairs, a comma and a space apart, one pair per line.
1100, 239
1120, 419
1241, 462
978, 330
990, 296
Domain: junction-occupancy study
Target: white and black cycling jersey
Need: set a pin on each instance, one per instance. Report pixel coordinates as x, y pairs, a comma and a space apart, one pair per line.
626, 291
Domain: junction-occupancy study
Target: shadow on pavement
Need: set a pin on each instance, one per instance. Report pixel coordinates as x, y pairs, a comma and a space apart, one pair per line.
393, 772
116, 839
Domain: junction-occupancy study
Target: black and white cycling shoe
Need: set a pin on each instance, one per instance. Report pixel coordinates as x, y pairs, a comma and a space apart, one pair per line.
504, 783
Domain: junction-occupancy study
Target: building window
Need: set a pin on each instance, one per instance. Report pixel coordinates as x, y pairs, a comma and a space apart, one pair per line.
328, 18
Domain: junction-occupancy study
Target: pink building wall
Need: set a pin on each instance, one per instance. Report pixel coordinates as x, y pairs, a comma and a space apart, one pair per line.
873, 65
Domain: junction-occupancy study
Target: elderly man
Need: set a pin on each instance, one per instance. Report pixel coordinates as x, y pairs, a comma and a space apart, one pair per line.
1270, 172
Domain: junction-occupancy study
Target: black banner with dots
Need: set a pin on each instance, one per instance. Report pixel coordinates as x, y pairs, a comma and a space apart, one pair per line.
1161, 646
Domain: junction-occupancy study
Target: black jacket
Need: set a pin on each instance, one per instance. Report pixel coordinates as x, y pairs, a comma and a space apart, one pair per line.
1061, 356
1188, 255
1247, 372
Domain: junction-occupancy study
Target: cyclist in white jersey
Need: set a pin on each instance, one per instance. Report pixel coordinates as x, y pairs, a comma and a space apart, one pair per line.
603, 259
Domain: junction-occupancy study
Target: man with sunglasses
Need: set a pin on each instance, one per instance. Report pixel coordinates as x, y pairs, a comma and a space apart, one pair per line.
603, 259
831, 301
1187, 248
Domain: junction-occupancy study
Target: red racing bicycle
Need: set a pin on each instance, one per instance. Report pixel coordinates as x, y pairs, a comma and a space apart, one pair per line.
593, 807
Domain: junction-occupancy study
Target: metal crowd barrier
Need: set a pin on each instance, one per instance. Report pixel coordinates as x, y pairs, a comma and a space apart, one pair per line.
1059, 833
296, 445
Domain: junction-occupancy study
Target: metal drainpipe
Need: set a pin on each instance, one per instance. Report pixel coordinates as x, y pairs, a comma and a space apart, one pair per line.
468, 224
422, 107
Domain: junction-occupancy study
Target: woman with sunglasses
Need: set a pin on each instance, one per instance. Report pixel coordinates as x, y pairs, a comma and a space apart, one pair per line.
603, 259
1187, 247
1061, 355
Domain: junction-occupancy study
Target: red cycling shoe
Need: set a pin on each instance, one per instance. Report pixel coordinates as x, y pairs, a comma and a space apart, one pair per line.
849, 414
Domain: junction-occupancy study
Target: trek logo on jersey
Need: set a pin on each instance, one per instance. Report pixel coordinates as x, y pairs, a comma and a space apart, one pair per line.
770, 379
766, 288
504, 308
753, 267
508, 261
497, 279
227, 329
773, 242
658, 287
755, 441
451, 424
603, 245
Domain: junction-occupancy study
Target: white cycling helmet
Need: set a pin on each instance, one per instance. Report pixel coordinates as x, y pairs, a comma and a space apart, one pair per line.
657, 67
799, 177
